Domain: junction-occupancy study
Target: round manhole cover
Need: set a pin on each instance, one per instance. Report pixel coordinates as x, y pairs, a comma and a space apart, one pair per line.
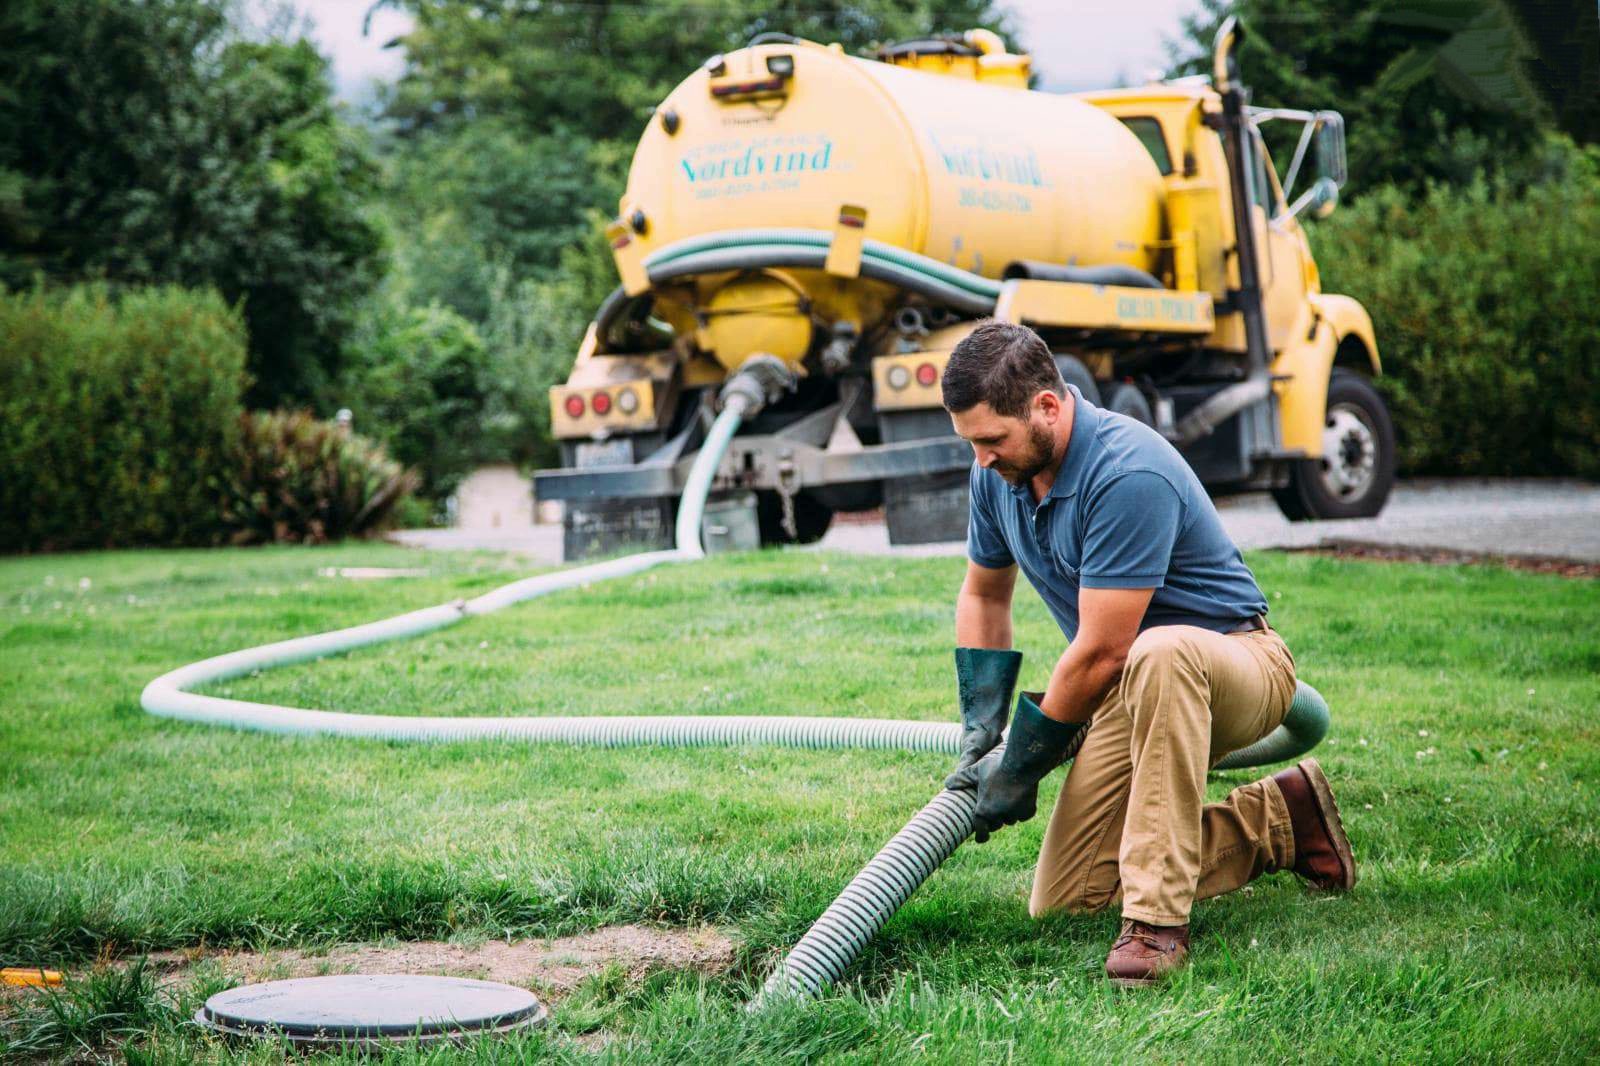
363, 1008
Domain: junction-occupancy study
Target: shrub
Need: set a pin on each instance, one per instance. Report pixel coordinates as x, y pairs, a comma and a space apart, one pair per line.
297, 479
117, 416
1483, 298
417, 382
426, 383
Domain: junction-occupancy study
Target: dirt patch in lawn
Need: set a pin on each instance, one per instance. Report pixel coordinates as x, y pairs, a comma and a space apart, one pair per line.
1539, 564
552, 967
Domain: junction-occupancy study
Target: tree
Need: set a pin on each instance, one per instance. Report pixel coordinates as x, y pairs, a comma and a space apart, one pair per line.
1430, 89
143, 141
599, 68
489, 197
1566, 36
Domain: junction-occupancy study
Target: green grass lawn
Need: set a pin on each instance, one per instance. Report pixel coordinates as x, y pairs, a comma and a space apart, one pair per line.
1464, 751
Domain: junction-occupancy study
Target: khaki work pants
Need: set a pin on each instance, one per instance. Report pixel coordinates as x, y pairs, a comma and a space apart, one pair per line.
1131, 820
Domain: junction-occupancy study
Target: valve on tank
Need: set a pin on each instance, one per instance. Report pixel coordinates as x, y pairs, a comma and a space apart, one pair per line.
841, 345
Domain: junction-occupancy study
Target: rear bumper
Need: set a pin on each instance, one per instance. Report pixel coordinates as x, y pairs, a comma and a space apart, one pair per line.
762, 462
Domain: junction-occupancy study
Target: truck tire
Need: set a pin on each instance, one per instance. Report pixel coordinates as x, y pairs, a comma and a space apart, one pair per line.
1073, 372
1126, 399
1356, 472
811, 518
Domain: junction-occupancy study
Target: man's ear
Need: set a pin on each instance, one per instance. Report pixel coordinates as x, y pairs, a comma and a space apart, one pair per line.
1049, 405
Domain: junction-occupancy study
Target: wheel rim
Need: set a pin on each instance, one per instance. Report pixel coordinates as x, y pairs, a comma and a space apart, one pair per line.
1349, 452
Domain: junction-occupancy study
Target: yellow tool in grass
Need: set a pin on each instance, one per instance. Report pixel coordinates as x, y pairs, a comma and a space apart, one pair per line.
29, 977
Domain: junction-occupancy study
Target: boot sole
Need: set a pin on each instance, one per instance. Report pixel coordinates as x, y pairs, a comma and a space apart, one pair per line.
1332, 824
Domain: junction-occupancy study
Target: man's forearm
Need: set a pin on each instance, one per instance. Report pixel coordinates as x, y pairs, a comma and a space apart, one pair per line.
1081, 679
982, 622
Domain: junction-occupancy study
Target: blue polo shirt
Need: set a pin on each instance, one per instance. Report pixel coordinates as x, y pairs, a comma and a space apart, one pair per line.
1125, 512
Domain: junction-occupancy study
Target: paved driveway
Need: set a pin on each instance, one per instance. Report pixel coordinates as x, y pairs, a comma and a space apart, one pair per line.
1548, 519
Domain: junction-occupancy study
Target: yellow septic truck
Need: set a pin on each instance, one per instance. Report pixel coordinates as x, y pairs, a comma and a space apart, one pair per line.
831, 226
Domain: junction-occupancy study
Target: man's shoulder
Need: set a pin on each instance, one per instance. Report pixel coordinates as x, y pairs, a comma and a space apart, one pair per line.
1129, 447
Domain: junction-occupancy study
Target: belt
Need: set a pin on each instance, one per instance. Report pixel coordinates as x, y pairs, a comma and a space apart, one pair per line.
1255, 623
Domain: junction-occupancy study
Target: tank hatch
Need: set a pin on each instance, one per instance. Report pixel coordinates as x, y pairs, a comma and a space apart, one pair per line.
978, 55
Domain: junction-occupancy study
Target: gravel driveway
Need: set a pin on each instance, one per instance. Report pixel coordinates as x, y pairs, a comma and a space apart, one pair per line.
1538, 519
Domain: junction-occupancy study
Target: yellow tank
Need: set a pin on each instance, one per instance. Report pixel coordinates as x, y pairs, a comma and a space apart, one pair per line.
970, 172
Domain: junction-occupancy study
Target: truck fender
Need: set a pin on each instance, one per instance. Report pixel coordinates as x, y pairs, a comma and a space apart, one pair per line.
1341, 331
1351, 323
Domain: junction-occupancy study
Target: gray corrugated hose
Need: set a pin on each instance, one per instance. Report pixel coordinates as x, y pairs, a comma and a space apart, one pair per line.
885, 883
870, 898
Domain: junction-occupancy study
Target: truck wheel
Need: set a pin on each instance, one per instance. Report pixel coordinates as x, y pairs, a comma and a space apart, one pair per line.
1073, 372
1356, 471
1126, 399
811, 518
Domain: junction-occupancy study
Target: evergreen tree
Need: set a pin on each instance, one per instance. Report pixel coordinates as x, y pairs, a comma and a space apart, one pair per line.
1430, 89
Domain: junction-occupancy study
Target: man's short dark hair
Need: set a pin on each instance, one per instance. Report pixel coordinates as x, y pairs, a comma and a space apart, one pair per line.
1003, 365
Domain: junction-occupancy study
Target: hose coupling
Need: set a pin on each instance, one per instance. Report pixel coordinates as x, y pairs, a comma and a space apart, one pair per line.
762, 379
841, 345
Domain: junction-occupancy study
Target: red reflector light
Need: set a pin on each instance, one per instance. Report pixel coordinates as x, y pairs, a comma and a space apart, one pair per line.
601, 402
574, 406
767, 85
926, 374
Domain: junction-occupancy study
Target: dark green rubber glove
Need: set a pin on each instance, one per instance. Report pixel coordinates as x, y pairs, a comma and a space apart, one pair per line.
1008, 786
985, 679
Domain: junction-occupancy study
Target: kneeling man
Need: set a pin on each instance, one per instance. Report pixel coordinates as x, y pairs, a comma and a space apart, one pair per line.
1171, 663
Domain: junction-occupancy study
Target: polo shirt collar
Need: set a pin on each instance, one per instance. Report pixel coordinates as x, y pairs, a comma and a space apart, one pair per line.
1085, 423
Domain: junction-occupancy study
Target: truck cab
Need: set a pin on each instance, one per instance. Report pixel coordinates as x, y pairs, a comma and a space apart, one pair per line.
1342, 458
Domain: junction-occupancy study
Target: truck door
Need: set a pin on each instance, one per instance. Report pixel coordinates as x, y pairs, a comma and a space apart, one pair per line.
1284, 254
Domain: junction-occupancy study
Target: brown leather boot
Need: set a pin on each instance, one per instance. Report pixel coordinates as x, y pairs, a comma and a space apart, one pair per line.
1145, 953
1321, 850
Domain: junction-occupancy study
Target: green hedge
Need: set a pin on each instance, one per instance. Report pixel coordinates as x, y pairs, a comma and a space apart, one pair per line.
1486, 304
117, 416
122, 424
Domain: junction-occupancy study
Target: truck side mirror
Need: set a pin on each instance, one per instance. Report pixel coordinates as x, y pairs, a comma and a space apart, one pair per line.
1324, 197
1330, 147
1324, 130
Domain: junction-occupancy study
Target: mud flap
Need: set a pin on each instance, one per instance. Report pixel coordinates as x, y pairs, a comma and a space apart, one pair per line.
592, 528
926, 509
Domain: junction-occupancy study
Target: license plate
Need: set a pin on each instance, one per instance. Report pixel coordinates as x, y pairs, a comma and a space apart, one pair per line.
618, 452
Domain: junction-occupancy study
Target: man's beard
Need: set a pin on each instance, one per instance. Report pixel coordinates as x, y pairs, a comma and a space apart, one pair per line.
1041, 452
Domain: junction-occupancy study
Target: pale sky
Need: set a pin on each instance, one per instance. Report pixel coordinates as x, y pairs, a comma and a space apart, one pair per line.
1076, 44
